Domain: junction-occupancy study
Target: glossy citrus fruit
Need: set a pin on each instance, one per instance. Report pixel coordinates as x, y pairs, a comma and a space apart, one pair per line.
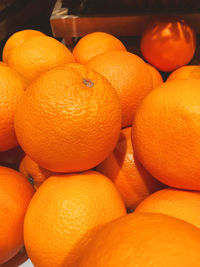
129, 176
129, 75
80, 112
37, 55
17, 39
12, 87
15, 195
166, 133
168, 43
94, 44
144, 239
64, 214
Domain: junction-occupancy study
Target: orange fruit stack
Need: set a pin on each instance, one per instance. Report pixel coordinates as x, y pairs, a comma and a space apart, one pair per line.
100, 134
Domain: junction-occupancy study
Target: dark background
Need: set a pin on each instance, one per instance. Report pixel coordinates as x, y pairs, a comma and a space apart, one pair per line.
17, 15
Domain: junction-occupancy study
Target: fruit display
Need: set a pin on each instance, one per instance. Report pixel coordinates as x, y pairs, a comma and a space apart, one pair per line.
100, 150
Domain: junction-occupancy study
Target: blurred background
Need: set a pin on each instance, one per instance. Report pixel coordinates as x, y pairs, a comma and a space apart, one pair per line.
17, 15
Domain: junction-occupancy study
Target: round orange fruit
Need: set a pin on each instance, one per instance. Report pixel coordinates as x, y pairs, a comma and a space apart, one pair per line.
64, 214
95, 43
17, 39
168, 43
144, 239
156, 76
15, 195
69, 119
181, 204
185, 73
131, 179
130, 77
35, 174
12, 87
166, 133
37, 55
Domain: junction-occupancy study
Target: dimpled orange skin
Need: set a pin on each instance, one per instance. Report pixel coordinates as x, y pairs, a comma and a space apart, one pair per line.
94, 44
33, 172
129, 176
166, 133
17, 39
65, 213
156, 76
168, 43
37, 55
129, 75
185, 73
144, 239
69, 120
12, 87
15, 195
181, 204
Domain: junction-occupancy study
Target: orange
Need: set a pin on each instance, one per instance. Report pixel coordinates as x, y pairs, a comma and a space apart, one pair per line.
168, 43
17, 39
64, 214
11, 89
129, 176
94, 44
144, 239
33, 172
80, 112
37, 55
156, 76
181, 204
129, 75
15, 195
166, 133
185, 72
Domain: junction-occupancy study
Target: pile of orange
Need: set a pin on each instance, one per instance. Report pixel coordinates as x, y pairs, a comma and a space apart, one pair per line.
96, 133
